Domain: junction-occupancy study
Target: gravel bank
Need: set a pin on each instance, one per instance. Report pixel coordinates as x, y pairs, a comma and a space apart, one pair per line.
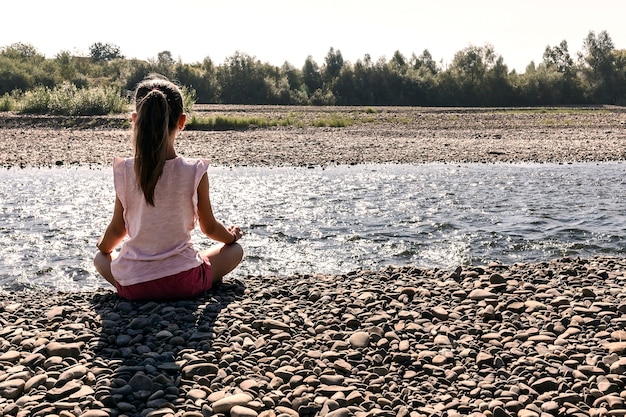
391, 135
519, 340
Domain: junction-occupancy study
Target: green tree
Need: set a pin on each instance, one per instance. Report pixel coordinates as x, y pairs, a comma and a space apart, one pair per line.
346, 93
14, 75
539, 86
311, 75
398, 62
137, 71
620, 74
22, 68
464, 82
104, 51
67, 70
22, 51
163, 64
497, 85
295, 81
358, 83
192, 76
424, 63
332, 66
241, 80
560, 73
400, 87
559, 58
294, 76
600, 68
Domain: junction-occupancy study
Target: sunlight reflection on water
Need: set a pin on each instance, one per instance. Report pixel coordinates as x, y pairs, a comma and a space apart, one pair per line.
334, 219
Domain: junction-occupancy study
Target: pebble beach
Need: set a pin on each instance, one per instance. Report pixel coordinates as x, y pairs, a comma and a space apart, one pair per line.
520, 340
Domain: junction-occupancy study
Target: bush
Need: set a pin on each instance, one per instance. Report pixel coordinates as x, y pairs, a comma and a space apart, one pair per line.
227, 123
68, 100
334, 120
35, 101
8, 102
189, 98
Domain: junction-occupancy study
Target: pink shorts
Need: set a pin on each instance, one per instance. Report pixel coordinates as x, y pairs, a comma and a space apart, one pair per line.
184, 285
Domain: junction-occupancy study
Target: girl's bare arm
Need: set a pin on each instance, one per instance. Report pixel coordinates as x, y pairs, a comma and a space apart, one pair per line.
208, 224
115, 232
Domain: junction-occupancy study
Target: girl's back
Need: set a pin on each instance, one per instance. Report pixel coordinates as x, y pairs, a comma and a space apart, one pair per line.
160, 233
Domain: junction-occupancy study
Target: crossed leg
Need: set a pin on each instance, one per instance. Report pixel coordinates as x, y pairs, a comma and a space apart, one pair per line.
223, 259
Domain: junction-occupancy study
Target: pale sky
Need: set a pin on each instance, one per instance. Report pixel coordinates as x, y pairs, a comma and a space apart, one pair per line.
276, 31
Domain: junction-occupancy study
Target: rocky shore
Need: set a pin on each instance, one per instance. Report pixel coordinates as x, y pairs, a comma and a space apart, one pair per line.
521, 340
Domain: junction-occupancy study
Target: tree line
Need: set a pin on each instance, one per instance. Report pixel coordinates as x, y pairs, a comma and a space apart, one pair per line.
477, 76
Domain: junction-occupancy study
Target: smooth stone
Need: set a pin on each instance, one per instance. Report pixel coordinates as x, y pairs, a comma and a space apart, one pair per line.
442, 340
241, 411
66, 390
164, 334
618, 335
616, 347
123, 340
440, 312
480, 294
83, 392
331, 379
534, 305
95, 413
201, 369
35, 382
287, 411
484, 358
140, 382
285, 372
139, 323
342, 366
64, 350
225, 404
197, 394
545, 384
250, 385
10, 356
75, 372
496, 278
177, 341
275, 325
12, 388
359, 339
56, 312
340, 412
527, 413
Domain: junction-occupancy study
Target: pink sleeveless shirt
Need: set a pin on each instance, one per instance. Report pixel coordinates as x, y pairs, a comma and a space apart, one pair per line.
159, 237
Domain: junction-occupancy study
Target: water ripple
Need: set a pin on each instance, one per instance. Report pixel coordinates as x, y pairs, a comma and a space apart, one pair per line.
332, 220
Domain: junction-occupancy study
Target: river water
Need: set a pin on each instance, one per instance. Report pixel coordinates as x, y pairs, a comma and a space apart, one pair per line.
333, 219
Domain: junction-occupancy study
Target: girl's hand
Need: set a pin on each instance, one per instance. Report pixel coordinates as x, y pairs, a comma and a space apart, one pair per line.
236, 231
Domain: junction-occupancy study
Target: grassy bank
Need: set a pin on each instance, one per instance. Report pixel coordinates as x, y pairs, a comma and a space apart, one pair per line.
217, 117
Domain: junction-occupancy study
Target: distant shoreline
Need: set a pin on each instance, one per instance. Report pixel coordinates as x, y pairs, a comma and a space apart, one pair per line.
377, 135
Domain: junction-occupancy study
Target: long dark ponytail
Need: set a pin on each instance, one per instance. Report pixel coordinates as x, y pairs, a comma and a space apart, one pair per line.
159, 105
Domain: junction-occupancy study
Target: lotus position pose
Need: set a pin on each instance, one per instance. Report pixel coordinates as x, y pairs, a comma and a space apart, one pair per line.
159, 196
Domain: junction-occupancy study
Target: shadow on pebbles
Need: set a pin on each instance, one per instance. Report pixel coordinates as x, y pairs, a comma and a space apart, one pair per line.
497, 340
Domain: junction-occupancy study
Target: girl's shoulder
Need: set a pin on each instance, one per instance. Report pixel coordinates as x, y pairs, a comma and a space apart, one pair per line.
199, 163
119, 163
188, 166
